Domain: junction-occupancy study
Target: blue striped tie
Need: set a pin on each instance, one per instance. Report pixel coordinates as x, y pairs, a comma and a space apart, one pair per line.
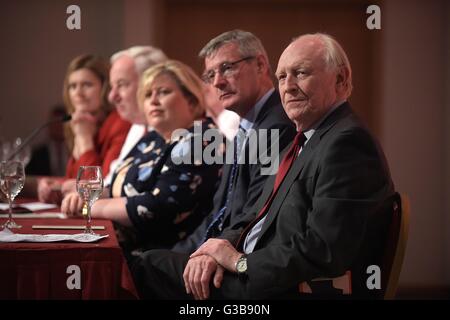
215, 227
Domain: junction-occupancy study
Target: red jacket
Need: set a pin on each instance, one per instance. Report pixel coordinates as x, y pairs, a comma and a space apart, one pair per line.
108, 142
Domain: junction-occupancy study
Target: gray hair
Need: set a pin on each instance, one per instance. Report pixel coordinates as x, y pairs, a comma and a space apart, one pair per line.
143, 56
334, 56
248, 43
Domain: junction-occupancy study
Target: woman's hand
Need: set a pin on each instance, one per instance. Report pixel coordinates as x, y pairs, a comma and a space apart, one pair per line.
69, 186
49, 190
84, 124
84, 127
72, 204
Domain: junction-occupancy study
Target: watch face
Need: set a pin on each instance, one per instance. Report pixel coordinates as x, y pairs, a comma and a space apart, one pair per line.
242, 265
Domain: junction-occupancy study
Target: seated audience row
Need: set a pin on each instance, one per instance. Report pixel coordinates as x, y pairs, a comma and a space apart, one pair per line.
326, 211
159, 200
237, 231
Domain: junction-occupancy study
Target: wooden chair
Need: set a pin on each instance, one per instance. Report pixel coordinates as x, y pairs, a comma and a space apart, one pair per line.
342, 284
392, 260
396, 246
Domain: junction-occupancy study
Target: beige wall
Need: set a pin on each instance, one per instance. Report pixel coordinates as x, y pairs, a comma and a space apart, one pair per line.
36, 48
446, 145
143, 22
415, 111
414, 135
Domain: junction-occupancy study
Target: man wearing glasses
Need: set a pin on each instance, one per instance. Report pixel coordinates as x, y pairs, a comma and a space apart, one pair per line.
237, 67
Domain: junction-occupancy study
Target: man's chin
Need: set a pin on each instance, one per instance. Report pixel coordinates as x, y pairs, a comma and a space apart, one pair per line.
295, 114
124, 115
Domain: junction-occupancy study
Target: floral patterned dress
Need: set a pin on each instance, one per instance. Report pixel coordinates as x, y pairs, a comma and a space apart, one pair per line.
166, 199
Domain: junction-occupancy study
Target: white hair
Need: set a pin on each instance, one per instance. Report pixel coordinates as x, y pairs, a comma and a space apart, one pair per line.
334, 57
143, 56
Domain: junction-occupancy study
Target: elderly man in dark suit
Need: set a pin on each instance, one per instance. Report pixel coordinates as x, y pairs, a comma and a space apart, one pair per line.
325, 212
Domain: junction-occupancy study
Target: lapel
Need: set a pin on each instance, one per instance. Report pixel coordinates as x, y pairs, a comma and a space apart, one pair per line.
298, 165
271, 102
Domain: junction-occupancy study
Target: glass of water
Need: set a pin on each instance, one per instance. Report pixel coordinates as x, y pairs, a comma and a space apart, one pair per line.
12, 179
89, 187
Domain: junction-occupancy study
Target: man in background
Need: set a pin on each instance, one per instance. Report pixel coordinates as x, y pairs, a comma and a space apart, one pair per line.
127, 67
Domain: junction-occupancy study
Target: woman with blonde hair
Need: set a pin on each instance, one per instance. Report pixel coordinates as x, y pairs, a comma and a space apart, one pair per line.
157, 198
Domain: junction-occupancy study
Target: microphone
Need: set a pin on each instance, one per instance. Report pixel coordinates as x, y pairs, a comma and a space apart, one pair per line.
64, 118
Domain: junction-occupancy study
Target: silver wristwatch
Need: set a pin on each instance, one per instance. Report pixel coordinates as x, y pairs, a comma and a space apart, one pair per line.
241, 267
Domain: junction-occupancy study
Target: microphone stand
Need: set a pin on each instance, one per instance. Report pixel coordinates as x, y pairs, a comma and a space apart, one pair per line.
34, 134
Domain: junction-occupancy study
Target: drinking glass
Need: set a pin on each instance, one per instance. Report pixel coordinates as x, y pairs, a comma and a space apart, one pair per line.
24, 155
89, 187
7, 148
12, 179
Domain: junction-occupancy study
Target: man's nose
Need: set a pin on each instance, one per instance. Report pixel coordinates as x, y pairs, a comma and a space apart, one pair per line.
219, 80
290, 84
113, 96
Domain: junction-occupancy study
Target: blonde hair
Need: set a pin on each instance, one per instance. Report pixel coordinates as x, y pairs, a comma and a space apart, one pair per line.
100, 68
186, 79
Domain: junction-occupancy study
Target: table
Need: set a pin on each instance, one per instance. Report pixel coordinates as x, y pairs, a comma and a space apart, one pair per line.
63, 270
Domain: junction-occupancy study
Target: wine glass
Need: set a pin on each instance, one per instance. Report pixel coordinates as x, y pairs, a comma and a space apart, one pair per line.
89, 187
5, 149
24, 155
9, 148
12, 179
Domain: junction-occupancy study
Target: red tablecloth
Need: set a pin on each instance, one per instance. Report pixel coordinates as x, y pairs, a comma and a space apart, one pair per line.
49, 270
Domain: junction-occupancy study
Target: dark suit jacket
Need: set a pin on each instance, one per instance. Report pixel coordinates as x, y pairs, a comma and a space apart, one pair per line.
248, 182
331, 214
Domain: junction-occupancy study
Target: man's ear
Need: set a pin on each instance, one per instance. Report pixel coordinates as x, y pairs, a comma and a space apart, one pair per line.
261, 63
342, 76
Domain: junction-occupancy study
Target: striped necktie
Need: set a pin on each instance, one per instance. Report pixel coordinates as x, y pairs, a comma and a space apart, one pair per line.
215, 227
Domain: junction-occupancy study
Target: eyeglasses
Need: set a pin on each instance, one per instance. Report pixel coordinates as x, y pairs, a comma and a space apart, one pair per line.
226, 69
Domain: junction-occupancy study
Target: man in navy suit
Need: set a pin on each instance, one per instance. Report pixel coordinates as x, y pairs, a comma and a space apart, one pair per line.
326, 211
237, 68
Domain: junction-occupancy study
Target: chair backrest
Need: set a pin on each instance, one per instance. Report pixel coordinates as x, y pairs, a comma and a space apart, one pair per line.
391, 263
395, 246
338, 286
